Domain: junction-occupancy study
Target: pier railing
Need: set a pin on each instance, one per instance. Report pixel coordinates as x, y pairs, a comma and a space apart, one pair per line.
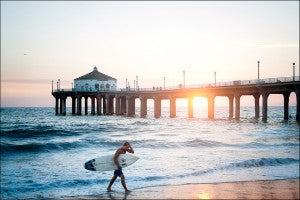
206, 85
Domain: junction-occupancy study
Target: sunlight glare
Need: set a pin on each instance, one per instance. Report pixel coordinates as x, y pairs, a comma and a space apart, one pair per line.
203, 196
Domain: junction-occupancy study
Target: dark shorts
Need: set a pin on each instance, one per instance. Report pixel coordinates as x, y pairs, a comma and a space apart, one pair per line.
118, 172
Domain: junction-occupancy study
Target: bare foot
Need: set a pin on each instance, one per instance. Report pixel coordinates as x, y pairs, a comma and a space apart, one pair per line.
127, 191
109, 190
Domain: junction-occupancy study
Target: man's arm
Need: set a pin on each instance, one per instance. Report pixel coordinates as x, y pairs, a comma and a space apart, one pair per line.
116, 159
130, 149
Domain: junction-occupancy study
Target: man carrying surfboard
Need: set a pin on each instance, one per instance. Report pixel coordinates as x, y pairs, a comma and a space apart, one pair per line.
118, 172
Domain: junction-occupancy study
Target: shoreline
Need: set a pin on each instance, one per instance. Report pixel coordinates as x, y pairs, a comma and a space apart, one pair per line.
262, 189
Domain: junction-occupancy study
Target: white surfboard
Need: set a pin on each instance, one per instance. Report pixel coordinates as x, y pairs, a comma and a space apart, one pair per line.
106, 163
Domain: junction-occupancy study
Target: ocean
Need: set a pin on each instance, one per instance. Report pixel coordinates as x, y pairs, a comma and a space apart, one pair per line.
42, 155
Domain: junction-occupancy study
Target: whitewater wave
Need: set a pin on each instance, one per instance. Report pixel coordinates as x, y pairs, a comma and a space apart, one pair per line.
51, 131
48, 146
261, 162
38, 147
198, 143
203, 143
42, 131
66, 183
140, 123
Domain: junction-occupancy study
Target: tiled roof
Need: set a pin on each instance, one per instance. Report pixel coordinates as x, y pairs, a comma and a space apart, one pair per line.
95, 74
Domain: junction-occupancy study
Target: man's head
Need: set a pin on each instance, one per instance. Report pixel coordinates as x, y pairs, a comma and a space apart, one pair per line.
126, 144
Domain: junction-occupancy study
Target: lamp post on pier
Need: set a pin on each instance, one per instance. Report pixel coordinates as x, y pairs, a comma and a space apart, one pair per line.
258, 71
184, 78
215, 78
293, 71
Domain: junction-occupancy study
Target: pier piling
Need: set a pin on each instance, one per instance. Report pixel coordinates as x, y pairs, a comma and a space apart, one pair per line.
172, 107
79, 105
73, 104
286, 97
190, 107
237, 98
130, 105
118, 105
231, 98
85, 105
60, 105
143, 101
297, 91
56, 105
123, 105
157, 107
99, 106
111, 105
93, 105
104, 99
64, 106
256, 102
265, 106
211, 107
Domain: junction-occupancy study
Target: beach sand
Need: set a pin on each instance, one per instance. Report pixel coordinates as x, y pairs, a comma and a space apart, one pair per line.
277, 189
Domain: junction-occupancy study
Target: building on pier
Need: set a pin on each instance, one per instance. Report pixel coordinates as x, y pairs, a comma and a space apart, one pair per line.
95, 81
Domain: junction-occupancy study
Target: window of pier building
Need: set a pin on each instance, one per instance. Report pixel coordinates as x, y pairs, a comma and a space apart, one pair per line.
97, 86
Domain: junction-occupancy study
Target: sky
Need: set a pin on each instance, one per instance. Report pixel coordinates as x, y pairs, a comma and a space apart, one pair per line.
49, 40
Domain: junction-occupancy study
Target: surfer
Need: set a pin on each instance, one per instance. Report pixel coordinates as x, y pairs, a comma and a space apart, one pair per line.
118, 172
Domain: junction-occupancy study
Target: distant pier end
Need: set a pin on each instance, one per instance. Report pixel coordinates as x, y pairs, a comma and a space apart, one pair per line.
106, 99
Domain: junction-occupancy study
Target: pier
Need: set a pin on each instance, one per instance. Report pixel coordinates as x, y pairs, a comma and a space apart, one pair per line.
122, 101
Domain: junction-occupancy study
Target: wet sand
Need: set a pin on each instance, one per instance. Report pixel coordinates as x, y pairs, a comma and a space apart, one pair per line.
278, 189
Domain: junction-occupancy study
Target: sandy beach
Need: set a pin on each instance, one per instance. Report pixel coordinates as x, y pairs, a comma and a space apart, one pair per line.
277, 189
